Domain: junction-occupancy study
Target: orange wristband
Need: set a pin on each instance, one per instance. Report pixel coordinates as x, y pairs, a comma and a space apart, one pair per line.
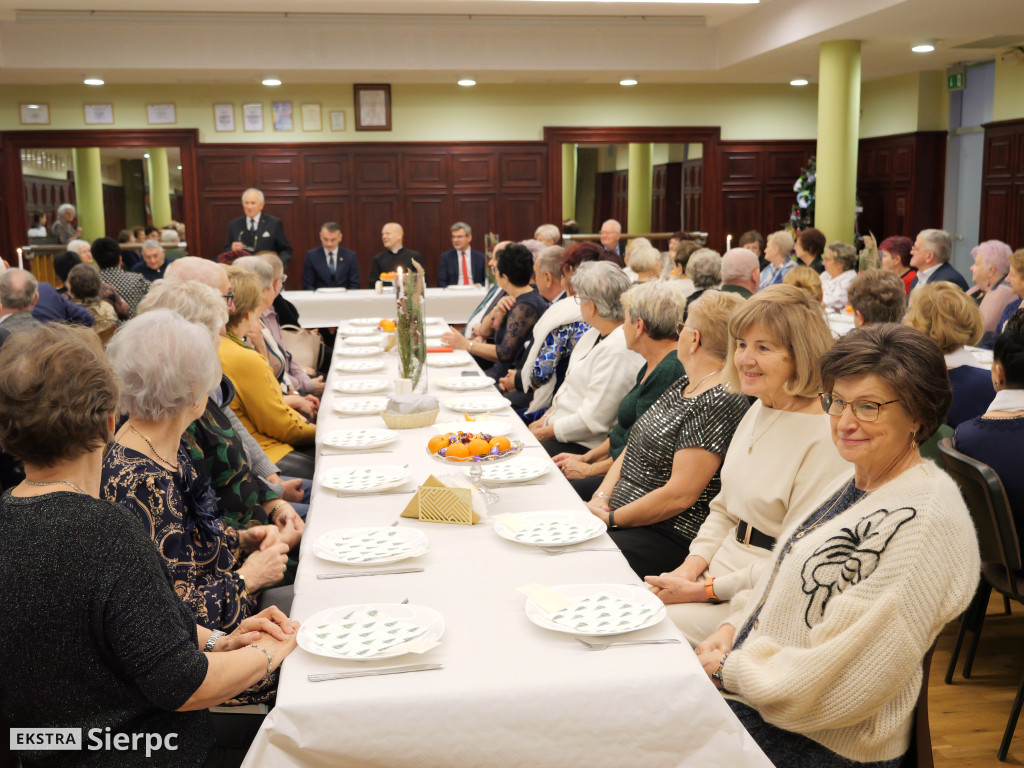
709, 591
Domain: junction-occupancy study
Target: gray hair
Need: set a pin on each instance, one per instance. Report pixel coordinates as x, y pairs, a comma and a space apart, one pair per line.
658, 304
737, 264
194, 301
152, 245
533, 246
549, 261
547, 232
75, 246
646, 258
994, 253
331, 226
256, 191
704, 268
634, 245
169, 236
615, 224
64, 208
274, 261
195, 268
940, 241
165, 364
84, 281
783, 239
18, 289
845, 254
462, 225
258, 267
603, 283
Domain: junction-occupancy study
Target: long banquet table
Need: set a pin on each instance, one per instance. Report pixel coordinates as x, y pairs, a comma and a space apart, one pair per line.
510, 693
327, 308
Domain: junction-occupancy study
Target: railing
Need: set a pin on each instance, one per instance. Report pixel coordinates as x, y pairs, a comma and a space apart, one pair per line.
700, 237
40, 259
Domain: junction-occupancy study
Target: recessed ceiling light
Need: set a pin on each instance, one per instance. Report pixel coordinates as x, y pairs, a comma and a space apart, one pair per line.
467, 82
799, 81
628, 81
925, 47
32, 106
179, 167
271, 81
146, 155
92, 81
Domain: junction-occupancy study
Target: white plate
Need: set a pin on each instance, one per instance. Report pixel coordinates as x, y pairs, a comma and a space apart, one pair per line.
519, 470
359, 439
360, 406
357, 330
369, 631
466, 383
366, 546
360, 366
448, 359
347, 351
553, 528
434, 321
360, 386
372, 321
600, 609
461, 287
367, 340
492, 427
369, 479
334, 289
475, 404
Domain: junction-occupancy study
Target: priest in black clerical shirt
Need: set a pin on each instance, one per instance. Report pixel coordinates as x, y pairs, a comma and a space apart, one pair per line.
394, 254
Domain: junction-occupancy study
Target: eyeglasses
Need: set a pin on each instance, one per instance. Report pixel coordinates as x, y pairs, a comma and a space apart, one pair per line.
863, 410
229, 297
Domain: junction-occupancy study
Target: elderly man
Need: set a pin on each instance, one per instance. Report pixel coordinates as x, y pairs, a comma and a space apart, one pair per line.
461, 265
740, 272
930, 256
394, 255
330, 265
18, 295
132, 287
610, 232
171, 242
257, 231
154, 261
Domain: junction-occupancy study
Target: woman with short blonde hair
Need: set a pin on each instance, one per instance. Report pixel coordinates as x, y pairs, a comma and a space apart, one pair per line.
805, 279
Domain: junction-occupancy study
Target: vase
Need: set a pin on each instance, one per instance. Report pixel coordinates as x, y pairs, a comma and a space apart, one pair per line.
411, 327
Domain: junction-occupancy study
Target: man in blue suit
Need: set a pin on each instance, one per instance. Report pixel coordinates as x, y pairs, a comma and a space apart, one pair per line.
930, 255
330, 265
461, 265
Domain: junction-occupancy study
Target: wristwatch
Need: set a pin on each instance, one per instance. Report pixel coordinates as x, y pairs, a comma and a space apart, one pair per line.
611, 519
717, 674
212, 641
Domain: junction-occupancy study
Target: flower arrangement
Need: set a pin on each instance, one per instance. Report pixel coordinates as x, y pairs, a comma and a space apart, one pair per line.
412, 344
801, 215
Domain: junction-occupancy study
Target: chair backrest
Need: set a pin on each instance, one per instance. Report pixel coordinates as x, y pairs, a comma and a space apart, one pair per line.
920, 753
986, 499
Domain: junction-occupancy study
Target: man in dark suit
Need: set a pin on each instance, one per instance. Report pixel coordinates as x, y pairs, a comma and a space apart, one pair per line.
461, 265
930, 255
330, 265
610, 232
394, 255
256, 231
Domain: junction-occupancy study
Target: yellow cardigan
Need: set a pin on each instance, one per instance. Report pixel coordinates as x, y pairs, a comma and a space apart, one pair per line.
259, 404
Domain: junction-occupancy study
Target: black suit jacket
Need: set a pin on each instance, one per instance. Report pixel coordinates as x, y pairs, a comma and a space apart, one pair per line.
946, 273
269, 236
386, 261
448, 271
315, 273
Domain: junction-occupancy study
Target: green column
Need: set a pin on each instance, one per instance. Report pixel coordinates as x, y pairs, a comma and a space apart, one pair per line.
89, 192
159, 187
641, 177
838, 123
568, 182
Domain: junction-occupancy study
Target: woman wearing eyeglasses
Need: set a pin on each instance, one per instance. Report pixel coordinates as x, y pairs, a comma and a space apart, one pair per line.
822, 659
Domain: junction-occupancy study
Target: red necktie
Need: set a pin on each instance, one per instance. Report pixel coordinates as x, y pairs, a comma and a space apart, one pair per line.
466, 278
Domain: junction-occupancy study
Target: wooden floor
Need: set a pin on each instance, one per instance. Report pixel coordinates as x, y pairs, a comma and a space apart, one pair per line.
968, 717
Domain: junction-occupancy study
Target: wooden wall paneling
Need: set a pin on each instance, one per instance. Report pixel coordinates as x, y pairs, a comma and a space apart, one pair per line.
519, 169
223, 171
320, 208
658, 175
376, 169
901, 183
370, 213
520, 214
783, 166
473, 168
740, 207
426, 169
1015, 232
620, 197
928, 176
777, 203
46, 196
996, 213
113, 210
329, 170
741, 166
604, 198
693, 186
218, 213
275, 169
998, 159
477, 210
428, 218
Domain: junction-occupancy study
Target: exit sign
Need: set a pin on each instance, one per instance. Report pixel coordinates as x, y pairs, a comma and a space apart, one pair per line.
955, 81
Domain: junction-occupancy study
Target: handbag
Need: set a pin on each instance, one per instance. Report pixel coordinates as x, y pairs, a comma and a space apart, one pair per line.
306, 346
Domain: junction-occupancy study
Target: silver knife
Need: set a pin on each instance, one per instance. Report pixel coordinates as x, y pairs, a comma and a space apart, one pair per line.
371, 672
381, 572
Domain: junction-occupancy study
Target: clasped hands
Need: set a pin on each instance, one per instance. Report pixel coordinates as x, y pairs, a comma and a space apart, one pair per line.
269, 624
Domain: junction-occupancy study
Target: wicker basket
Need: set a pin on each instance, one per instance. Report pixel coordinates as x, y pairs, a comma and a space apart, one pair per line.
410, 420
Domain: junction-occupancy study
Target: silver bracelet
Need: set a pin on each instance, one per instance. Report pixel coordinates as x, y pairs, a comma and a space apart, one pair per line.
270, 659
602, 495
212, 640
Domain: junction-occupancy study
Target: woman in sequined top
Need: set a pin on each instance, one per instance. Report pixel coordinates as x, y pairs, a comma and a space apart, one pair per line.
657, 493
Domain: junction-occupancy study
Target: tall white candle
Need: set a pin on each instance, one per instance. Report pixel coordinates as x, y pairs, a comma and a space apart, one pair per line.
728, 242
21, 264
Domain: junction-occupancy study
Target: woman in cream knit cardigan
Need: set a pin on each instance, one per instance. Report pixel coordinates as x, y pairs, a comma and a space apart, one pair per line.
821, 660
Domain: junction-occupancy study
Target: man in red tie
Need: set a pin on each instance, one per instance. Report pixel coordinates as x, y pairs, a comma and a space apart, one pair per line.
461, 265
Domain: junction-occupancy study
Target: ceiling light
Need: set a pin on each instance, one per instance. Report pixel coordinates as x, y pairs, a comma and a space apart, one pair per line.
271, 81
179, 167
467, 82
92, 81
146, 155
799, 81
628, 81
926, 47
32, 106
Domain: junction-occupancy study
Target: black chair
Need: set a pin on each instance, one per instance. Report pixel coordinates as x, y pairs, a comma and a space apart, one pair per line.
1000, 557
920, 753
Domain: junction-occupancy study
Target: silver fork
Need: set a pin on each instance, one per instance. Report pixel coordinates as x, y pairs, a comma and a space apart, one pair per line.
600, 645
570, 550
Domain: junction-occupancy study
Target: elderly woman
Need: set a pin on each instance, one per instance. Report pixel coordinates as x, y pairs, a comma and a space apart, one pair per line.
64, 228
515, 315
877, 296
601, 370
779, 460
680, 258
953, 320
991, 291
657, 493
121, 649
84, 290
840, 262
548, 234
807, 280
646, 263
810, 248
651, 328
705, 270
281, 431
1015, 279
895, 253
777, 251
167, 365
822, 659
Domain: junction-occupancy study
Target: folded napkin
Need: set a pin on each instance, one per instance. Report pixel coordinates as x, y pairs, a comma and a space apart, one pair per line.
411, 404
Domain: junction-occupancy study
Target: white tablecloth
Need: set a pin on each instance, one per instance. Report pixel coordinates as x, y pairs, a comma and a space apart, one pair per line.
325, 309
511, 693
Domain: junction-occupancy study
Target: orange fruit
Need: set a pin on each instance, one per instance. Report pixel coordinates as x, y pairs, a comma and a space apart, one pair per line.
387, 325
437, 443
456, 451
502, 442
478, 447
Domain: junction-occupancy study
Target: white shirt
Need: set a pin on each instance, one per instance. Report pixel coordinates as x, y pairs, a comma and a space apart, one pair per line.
469, 266
924, 275
254, 222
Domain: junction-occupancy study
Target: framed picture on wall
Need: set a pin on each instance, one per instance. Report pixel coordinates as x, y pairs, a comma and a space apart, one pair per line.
99, 114
223, 118
338, 120
34, 114
373, 107
312, 117
252, 117
161, 114
283, 118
